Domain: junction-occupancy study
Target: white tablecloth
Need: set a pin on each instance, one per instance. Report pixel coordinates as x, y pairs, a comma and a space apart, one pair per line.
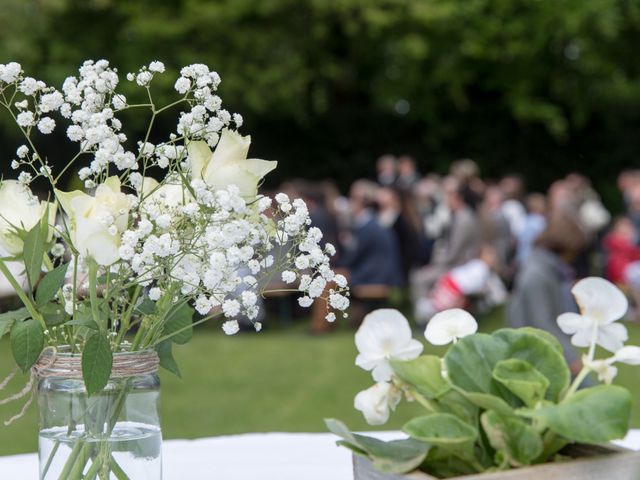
264, 456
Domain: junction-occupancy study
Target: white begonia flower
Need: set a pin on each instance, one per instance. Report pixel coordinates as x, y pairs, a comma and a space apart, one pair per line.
384, 335
90, 219
377, 401
601, 304
447, 326
605, 370
228, 164
19, 210
629, 355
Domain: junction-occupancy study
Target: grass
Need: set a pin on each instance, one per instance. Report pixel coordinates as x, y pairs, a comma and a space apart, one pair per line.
278, 380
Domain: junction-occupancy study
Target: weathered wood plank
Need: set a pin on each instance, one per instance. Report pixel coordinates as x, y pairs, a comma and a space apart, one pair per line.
592, 462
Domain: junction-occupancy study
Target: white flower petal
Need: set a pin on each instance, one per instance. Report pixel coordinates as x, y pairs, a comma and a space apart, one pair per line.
449, 325
571, 323
629, 355
582, 338
382, 372
600, 299
376, 402
612, 337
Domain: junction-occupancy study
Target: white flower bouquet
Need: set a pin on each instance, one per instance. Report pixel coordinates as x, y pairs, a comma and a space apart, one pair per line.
161, 229
495, 401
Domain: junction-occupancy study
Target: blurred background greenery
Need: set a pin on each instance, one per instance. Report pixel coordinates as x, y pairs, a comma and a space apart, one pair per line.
538, 87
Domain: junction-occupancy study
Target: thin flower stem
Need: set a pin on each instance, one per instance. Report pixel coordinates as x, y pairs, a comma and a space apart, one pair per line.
93, 293
31, 308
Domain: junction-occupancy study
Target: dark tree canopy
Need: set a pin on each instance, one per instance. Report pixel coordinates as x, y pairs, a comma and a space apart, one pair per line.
325, 86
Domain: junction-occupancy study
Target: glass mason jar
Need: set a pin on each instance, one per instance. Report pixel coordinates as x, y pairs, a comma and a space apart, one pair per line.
113, 434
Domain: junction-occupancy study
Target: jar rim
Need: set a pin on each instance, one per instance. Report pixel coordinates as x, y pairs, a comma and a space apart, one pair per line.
65, 351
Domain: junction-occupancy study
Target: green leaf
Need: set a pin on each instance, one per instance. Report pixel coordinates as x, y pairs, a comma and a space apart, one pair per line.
424, 373
27, 342
33, 252
53, 314
97, 361
83, 322
445, 431
541, 354
395, 456
543, 335
146, 307
179, 319
471, 360
521, 378
518, 442
7, 319
487, 401
593, 415
50, 284
165, 354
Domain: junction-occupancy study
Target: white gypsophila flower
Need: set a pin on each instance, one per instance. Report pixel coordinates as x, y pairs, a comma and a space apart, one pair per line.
338, 301
156, 67
65, 110
202, 305
25, 119
447, 326
155, 293
288, 276
46, 125
15, 164
25, 178
257, 326
75, 133
601, 304
305, 301
29, 86
231, 308
10, 72
384, 335
249, 298
182, 85
331, 317
143, 78
377, 401
340, 280
119, 102
231, 327
50, 102
22, 151
57, 250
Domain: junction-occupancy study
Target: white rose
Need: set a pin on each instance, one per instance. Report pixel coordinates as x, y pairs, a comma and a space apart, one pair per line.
376, 402
170, 194
228, 164
90, 219
19, 210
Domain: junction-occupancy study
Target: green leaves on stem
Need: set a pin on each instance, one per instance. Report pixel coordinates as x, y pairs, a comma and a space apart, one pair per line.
97, 360
396, 456
27, 341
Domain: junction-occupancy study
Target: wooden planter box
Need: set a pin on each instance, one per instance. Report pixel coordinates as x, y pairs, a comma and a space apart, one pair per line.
592, 462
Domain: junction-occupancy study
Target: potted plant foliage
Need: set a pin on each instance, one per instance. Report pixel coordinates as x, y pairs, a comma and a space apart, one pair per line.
501, 405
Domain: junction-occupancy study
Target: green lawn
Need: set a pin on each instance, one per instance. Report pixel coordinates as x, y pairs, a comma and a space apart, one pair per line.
279, 380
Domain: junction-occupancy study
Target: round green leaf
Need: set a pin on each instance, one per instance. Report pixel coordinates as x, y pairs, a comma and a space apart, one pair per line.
518, 442
445, 431
471, 360
593, 415
424, 373
541, 354
521, 378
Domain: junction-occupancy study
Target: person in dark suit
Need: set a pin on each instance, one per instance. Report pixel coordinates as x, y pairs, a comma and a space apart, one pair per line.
371, 251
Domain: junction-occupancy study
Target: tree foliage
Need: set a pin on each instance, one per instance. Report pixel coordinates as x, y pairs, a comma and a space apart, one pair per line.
539, 87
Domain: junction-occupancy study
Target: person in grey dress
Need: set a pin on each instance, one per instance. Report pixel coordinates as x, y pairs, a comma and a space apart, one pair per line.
542, 288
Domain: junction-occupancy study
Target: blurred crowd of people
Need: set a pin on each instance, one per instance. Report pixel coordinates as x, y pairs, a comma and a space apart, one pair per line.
461, 240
